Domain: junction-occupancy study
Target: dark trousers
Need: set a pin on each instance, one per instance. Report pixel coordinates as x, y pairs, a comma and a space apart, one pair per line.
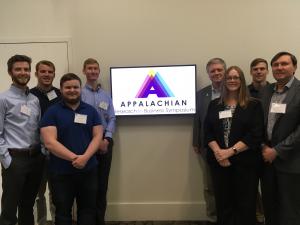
289, 198
104, 164
20, 183
235, 192
40, 203
81, 186
269, 190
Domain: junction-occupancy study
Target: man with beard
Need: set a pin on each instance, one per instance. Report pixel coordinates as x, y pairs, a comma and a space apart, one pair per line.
215, 69
20, 151
93, 94
47, 95
72, 132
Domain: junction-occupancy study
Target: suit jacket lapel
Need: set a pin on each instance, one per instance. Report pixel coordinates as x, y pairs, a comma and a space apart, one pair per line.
207, 97
292, 91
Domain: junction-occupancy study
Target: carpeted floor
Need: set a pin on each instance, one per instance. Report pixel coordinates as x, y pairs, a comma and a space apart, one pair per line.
152, 223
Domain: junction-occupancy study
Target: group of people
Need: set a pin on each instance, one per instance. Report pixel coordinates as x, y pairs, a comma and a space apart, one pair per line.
250, 134
244, 134
63, 137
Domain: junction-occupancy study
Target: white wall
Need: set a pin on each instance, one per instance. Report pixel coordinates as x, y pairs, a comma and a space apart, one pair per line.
155, 175
55, 51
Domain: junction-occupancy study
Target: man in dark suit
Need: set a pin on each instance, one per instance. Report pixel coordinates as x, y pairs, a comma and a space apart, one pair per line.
215, 69
281, 151
258, 71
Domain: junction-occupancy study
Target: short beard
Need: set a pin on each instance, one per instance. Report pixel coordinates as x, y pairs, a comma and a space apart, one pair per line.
23, 82
71, 101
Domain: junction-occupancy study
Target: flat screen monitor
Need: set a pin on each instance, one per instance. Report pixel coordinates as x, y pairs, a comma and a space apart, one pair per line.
154, 90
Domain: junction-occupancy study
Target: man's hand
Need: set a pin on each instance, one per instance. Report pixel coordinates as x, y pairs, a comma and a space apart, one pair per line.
197, 150
103, 146
269, 154
80, 161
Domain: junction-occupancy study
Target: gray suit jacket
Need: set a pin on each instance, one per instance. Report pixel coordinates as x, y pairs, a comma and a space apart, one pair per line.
203, 99
286, 132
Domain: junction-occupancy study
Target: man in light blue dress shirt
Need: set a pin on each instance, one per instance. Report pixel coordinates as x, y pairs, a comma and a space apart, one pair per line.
20, 153
93, 94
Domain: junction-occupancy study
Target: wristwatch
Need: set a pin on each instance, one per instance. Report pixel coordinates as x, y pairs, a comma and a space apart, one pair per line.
235, 150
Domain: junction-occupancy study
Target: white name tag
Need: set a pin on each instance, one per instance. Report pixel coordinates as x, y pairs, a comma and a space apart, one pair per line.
51, 95
103, 105
25, 110
80, 118
225, 114
278, 108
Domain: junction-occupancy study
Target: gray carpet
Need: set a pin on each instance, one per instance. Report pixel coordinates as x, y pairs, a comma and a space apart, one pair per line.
151, 223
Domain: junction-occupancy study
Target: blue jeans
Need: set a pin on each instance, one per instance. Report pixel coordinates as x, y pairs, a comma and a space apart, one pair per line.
81, 186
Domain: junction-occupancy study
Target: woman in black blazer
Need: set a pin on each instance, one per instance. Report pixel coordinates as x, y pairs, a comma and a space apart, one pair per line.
234, 132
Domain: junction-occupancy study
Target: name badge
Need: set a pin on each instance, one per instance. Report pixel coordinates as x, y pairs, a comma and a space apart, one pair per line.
278, 108
25, 110
225, 114
80, 118
103, 105
51, 95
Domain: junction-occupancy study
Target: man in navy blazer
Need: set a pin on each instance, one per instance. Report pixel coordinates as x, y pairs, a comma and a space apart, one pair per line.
215, 69
281, 151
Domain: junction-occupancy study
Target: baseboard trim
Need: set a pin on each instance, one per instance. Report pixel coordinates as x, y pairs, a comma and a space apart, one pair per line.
156, 211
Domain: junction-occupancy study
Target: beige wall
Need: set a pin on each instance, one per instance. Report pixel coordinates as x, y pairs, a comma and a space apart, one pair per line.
155, 175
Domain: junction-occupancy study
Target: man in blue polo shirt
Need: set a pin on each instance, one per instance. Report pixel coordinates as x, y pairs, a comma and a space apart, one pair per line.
72, 131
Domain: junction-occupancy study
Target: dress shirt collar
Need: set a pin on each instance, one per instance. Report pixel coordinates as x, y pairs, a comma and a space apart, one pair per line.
215, 93
19, 91
286, 86
214, 90
89, 87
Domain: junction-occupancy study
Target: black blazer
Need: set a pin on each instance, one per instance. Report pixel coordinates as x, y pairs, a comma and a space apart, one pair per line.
203, 98
247, 126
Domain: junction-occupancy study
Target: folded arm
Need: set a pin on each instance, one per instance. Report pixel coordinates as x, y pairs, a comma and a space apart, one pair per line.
49, 135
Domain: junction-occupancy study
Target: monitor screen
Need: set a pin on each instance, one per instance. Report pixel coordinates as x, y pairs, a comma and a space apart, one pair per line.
154, 90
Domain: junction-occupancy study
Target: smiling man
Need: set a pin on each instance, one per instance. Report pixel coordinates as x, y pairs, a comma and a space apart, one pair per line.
45, 91
72, 132
47, 95
281, 177
20, 150
93, 94
215, 68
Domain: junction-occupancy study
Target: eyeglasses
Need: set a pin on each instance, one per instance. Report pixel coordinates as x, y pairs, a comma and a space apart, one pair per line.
235, 78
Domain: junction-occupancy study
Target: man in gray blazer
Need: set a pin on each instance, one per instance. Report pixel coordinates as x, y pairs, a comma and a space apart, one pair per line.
281, 151
215, 69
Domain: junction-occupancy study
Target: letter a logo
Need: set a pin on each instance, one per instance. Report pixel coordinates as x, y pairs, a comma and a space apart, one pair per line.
154, 84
